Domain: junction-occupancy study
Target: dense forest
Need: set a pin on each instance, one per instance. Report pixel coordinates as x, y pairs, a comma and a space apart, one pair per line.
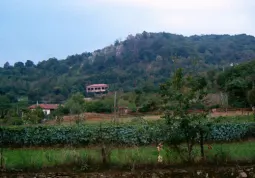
139, 62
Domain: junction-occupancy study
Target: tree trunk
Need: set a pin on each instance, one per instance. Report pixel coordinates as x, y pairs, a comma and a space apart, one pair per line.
1, 151
202, 144
2, 158
189, 150
104, 157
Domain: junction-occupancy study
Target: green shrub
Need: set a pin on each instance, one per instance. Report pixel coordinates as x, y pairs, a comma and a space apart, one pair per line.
135, 134
100, 106
14, 121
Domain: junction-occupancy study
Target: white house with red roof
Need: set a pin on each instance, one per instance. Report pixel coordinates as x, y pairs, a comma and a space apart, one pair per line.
97, 88
47, 108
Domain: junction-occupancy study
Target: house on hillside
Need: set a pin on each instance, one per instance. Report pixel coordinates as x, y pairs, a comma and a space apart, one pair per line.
97, 88
47, 108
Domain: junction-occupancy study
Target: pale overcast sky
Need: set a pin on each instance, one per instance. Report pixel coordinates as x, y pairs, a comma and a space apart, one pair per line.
39, 29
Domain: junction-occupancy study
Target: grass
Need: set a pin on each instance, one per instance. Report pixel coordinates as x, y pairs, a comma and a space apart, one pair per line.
234, 119
39, 158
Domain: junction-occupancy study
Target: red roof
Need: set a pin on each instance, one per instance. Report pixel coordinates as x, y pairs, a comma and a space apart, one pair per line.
44, 106
98, 85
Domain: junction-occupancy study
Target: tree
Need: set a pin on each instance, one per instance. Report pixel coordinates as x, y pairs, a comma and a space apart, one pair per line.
33, 116
5, 106
29, 63
34, 95
19, 64
138, 98
134, 62
251, 97
251, 100
76, 104
236, 89
180, 94
59, 113
116, 42
7, 65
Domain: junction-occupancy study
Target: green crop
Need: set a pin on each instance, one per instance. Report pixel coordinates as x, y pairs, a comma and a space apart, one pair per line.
83, 135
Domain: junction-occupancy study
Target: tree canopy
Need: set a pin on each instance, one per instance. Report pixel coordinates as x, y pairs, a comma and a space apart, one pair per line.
141, 60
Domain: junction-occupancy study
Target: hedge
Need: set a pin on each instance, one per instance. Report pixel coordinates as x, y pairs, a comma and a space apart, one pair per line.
120, 135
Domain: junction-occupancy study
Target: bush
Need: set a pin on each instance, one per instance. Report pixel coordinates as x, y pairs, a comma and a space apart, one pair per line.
100, 106
14, 121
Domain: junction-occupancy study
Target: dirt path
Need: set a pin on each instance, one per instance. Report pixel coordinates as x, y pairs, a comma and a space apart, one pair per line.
100, 117
216, 172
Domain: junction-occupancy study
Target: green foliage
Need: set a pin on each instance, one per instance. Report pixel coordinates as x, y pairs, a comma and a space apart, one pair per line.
237, 81
237, 92
89, 159
135, 134
141, 61
179, 95
14, 121
230, 132
75, 104
139, 120
150, 103
60, 111
5, 106
33, 116
100, 106
251, 97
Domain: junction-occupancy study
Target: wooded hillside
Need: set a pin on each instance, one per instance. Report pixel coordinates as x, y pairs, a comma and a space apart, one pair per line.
140, 61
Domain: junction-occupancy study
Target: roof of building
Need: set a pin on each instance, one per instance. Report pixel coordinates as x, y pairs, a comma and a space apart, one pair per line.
98, 85
44, 106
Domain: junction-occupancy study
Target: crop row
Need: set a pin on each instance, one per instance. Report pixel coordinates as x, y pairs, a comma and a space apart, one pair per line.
120, 135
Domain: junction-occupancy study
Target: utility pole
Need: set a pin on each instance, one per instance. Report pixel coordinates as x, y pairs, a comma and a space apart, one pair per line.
115, 106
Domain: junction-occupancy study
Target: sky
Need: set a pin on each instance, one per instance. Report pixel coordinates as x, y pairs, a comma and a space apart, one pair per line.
41, 29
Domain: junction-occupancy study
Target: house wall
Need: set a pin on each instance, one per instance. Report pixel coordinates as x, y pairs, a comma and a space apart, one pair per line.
96, 89
46, 111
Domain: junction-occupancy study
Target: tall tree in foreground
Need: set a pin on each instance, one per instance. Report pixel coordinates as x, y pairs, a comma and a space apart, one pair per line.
180, 94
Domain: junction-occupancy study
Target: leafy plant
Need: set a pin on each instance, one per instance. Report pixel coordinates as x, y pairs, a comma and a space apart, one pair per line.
126, 134
179, 94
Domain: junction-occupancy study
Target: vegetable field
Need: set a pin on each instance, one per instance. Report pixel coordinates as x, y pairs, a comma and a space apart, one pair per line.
125, 134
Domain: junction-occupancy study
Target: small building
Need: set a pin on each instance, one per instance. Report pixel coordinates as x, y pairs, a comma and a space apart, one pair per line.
47, 108
97, 88
122, 110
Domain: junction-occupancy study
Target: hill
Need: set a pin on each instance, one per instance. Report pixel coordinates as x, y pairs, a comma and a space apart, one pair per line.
143, 60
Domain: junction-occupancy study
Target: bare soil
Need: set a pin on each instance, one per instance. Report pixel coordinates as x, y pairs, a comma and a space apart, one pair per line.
100, 117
